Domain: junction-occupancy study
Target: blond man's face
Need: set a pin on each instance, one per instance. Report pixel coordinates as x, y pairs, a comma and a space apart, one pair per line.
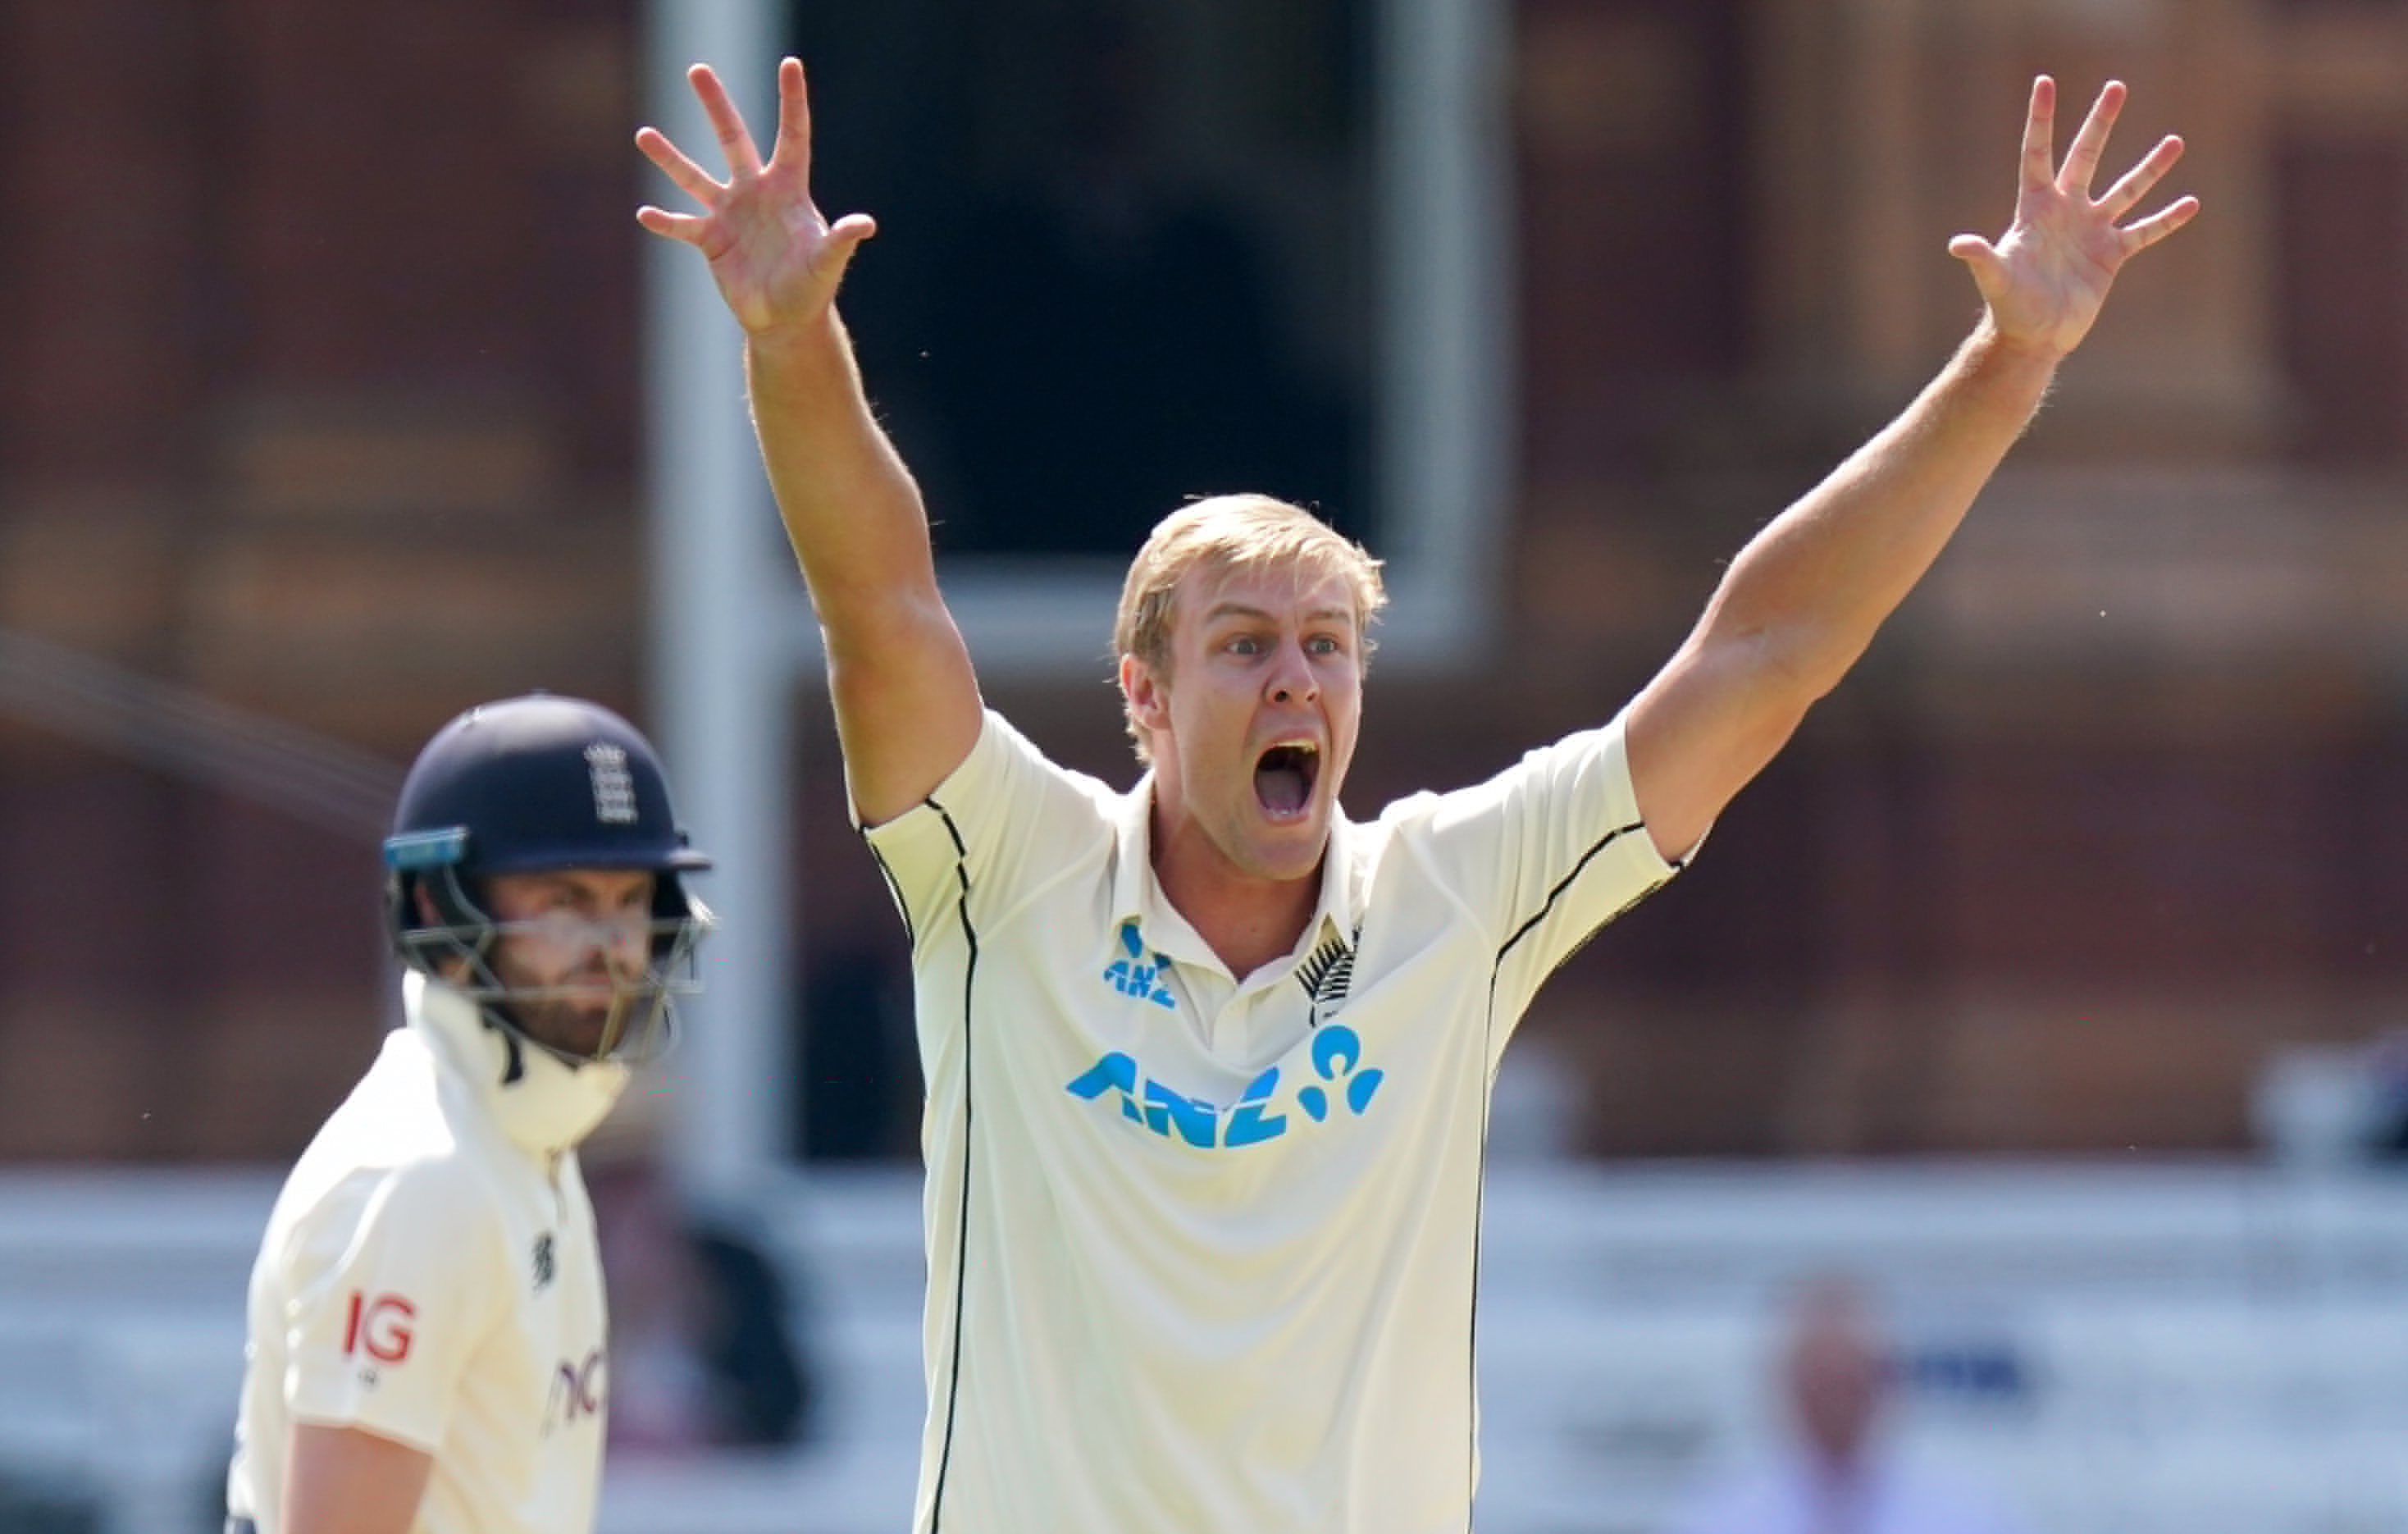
1253, 722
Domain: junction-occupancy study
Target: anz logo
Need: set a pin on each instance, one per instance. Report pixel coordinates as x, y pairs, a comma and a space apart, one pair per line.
1133, 974
1339, 1080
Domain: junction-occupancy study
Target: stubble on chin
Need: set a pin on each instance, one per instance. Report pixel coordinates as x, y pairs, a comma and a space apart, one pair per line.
571, 1030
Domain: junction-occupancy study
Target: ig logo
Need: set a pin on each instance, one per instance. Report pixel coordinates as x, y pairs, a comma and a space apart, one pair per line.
380, 1328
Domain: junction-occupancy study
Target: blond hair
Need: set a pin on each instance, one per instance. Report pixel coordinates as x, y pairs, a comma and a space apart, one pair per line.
1227, 533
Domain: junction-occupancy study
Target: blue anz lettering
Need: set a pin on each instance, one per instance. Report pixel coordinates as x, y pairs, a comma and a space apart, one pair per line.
1114, 1072
1247, 1124
1337, 1057
1337, 1049
1197, 1119
1133, 976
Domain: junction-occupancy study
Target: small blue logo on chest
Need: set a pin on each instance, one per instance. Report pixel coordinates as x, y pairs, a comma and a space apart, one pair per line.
1134, 974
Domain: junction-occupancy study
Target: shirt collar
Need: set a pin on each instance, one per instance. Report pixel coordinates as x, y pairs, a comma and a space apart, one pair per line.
1137, 896
540, 1102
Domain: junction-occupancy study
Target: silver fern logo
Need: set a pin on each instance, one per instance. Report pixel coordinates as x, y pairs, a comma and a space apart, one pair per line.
614, 791
1327, 975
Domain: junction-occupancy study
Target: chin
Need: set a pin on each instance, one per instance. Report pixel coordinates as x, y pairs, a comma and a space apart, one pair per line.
1292, 853
572, 1032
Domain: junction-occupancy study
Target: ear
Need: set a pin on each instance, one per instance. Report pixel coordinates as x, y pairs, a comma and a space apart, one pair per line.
1148, 693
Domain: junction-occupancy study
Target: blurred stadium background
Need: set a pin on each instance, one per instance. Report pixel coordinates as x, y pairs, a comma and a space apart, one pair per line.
2050, 978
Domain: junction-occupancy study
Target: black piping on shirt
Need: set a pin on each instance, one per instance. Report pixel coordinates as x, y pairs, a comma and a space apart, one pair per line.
962, 1218
1480, 1186
1565, 883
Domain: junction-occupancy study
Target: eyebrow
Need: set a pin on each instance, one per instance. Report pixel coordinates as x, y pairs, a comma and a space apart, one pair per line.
1241, 609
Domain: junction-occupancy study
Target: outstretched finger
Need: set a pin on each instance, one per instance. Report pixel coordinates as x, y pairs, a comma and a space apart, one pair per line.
2091, 143
2144, 233
2135, 184
655, 147
793, 146
727, 122
2040, 134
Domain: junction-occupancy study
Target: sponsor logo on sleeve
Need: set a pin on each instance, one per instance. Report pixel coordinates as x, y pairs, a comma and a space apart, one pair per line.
378, 1329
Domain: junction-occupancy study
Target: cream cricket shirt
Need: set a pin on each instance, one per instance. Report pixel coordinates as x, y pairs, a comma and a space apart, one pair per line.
1201, 1254
430, 1274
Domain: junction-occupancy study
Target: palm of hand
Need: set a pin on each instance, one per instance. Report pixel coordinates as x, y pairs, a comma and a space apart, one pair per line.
2058, 260
769, 251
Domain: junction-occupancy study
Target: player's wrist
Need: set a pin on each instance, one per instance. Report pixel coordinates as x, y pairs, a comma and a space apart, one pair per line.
2041, 348
799, 334
2022, 359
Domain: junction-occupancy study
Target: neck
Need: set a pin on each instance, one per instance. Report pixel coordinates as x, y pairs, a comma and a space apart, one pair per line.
1247, 920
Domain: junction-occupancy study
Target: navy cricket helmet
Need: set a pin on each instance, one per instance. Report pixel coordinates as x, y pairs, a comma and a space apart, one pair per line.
529, 785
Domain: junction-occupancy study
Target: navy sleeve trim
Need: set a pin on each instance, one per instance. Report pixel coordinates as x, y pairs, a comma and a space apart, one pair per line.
1565, 883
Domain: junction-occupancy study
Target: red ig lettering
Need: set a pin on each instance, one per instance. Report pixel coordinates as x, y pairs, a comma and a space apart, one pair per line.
381, 1326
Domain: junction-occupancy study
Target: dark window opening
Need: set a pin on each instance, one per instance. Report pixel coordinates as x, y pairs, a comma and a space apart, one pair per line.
1124, 254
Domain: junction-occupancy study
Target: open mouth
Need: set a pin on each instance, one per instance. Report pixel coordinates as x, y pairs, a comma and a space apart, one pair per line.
1285, 775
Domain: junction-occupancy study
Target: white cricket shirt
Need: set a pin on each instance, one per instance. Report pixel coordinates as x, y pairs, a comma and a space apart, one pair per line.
430, 1274
1202, 1255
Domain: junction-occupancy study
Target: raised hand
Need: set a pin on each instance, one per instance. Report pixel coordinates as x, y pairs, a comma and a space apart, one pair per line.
776, 259
2045, 279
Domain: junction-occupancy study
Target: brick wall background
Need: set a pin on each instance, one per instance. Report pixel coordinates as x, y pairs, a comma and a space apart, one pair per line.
319, 393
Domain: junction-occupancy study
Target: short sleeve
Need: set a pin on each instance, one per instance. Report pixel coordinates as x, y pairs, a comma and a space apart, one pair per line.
1006, 819
387, 1296
1545, 853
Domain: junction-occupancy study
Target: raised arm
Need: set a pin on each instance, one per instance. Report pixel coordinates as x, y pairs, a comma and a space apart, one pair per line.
1803, 599
907, 705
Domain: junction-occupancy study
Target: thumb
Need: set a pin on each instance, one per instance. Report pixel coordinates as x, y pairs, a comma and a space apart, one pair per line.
844, 237
1982, 258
